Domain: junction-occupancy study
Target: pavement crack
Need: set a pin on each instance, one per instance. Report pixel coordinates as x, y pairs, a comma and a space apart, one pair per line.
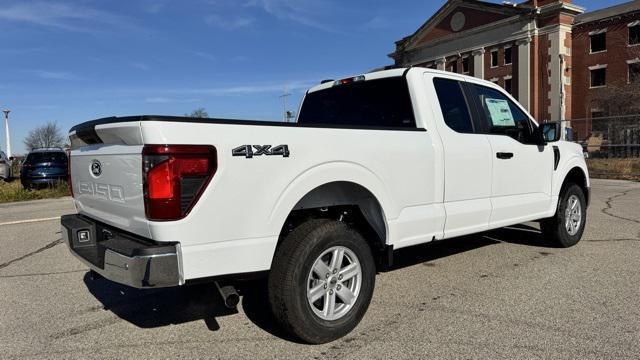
40, 274
611, 240
48, 246
609, 203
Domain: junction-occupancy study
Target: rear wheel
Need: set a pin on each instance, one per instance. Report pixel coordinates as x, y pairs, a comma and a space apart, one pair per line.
565, 228
321, 281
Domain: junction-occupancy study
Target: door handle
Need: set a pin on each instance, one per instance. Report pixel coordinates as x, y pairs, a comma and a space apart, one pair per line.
504, 155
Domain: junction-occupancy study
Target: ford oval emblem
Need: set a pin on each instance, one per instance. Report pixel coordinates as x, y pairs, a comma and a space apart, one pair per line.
96, 168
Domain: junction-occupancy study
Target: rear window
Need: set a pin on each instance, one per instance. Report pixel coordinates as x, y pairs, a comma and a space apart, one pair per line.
46, 157
383, 103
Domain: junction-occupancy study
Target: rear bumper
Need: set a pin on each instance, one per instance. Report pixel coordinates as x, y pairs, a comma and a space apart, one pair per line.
121, 257
27, 180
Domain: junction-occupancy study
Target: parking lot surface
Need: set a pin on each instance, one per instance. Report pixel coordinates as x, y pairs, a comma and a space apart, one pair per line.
498, 295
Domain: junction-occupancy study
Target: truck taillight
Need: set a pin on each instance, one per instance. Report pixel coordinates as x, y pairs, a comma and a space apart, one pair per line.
174, 178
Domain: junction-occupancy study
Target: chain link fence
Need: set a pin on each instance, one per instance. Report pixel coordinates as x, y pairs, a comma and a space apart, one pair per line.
611, 144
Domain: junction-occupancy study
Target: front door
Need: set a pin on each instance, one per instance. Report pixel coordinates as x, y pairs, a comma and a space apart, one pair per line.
521, 171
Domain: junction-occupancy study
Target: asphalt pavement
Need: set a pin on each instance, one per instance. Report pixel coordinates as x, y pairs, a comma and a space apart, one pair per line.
500, 295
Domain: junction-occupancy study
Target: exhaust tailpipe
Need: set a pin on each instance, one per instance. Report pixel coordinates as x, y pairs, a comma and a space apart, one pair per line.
229, 295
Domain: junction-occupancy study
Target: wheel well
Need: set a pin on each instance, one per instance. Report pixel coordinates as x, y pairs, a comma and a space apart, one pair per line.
342, 201
578, 177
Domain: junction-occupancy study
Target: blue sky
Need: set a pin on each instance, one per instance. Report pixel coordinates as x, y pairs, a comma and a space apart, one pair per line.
72, 61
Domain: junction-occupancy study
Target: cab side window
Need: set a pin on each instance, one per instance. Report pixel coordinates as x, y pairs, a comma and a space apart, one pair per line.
500, 116
453, 105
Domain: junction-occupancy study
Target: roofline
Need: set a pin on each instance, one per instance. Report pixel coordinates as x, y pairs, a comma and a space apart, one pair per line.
517, 10
605, 17
403, 71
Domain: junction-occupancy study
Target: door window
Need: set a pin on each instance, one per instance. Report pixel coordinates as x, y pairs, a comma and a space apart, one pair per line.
500, 116
453, 105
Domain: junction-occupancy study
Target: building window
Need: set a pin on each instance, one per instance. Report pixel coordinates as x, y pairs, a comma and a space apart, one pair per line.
598, 42
634, 35
597, 113
494, 58
465, 65
508, 85
634, 73
453, 66
598, 77
507, 56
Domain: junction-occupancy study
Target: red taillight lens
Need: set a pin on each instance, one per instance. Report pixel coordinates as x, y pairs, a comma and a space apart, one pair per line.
175, 177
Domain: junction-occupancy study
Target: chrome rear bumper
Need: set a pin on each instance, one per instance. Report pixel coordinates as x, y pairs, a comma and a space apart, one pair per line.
120, 257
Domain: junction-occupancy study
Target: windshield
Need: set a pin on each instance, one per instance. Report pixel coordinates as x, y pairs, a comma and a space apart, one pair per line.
46, 157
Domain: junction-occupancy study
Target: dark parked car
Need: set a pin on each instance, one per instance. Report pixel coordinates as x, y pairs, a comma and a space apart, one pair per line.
44, 167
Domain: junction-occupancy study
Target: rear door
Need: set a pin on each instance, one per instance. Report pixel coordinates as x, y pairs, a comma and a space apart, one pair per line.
107, 177
467, 157
521, 169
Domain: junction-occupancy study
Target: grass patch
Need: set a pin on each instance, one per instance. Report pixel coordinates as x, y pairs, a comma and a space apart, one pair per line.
13, 191
623, 169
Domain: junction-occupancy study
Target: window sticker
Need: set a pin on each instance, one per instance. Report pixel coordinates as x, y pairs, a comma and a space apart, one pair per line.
500, 112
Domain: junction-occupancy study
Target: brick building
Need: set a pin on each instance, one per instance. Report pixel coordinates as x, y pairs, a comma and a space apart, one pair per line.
551, 55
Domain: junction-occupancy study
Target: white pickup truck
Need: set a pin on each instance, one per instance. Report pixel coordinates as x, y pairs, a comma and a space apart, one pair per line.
374, 163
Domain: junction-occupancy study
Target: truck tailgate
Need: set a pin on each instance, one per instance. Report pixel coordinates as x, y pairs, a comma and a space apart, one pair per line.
107, 177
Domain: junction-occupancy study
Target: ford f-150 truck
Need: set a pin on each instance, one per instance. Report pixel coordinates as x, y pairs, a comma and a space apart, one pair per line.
374, 163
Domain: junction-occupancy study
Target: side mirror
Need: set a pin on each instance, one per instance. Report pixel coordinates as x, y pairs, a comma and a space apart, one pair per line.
551, 131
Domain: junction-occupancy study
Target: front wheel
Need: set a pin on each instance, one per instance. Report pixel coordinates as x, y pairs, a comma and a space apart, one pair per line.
565, 228
321, 281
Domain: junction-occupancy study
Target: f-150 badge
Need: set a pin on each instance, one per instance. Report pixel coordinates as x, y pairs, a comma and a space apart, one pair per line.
250, 151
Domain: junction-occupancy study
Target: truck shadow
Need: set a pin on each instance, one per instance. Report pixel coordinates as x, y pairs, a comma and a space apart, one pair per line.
162, 307
522, 234
151, 308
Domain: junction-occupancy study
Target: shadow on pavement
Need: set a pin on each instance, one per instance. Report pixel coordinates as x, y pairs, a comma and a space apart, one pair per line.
161, 307
150, 308
521, 234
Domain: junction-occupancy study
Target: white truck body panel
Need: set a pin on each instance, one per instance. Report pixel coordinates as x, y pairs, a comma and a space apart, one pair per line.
430, 184
116, 197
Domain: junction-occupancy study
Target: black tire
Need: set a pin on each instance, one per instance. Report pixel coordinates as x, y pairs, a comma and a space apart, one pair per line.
554, 229
288, 280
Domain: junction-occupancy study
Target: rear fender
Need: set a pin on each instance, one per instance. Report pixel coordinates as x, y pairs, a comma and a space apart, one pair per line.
314, 177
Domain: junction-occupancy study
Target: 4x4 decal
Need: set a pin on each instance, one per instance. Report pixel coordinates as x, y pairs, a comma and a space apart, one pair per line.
250, 151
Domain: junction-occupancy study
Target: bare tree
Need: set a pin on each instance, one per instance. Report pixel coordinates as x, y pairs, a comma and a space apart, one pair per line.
620, 96
48, 135
198, 113
619, 99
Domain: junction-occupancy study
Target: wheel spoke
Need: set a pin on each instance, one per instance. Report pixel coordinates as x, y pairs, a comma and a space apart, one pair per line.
336, 259
346, 295
574, 202
316, 293
321, 269
329, 304
349, 271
